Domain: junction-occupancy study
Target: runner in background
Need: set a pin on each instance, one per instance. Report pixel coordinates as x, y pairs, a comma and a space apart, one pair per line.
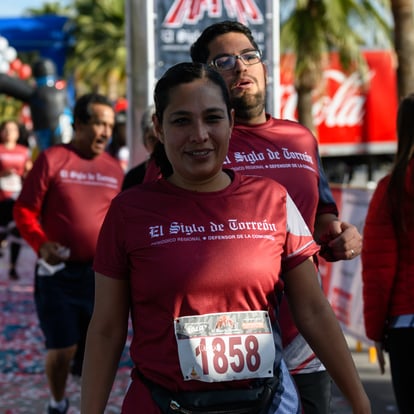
15, 163
59, 213
149, 138
118, 147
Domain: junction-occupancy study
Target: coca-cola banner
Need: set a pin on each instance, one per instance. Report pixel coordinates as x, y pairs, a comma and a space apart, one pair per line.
351, 118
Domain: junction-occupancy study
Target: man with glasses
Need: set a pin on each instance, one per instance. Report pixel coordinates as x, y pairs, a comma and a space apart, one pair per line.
228, 62
288, 153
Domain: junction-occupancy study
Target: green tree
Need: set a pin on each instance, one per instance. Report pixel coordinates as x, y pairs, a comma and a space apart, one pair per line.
55, 8
98, 58
312, 31
10, 108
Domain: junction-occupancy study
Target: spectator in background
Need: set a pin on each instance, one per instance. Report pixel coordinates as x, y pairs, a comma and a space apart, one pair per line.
149, 138
59, 213
15, 163
26, 138
118, 146
388, 263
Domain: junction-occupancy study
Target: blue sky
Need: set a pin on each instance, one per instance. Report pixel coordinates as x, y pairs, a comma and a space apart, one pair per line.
15, 8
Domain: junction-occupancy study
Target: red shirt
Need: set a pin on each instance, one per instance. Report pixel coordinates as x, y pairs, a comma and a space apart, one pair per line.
15, 159
286, 152
192, 253
69, 195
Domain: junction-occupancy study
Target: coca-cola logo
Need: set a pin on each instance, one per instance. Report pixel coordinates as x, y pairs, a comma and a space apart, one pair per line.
344, 106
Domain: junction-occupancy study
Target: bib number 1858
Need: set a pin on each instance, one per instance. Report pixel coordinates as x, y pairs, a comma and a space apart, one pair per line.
237, 354
222, 356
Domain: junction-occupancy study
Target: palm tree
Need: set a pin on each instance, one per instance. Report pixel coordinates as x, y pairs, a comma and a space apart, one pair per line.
55, 8
98, 58
312, 31
402, 11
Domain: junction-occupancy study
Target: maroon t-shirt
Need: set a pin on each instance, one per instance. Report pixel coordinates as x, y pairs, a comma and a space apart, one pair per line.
15, 159
190, 253
71, 195
287, 152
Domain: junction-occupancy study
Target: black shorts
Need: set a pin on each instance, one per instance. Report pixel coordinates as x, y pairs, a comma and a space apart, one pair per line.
64, 304
6, 211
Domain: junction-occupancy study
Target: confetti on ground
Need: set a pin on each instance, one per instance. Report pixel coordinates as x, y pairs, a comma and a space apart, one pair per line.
23, 387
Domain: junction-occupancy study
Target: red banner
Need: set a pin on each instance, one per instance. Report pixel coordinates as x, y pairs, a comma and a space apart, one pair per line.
351, 118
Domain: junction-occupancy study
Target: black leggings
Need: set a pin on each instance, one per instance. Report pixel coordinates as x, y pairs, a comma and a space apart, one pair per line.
6, 217
401, 346
6, 211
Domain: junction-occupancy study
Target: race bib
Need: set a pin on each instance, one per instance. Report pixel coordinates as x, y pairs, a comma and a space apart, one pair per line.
11, 183
225, 346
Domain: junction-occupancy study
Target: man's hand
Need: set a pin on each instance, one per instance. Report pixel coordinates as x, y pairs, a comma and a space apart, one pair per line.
53, 253
340, 241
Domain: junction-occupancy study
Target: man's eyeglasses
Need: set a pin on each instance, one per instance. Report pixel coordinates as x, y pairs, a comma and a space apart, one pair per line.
228, 62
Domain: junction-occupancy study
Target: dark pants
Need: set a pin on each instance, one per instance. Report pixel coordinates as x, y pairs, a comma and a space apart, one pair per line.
315, 392
64, 304
400, 345
6, 211
6, 217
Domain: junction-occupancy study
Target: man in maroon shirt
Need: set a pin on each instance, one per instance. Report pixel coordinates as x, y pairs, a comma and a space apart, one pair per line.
59, 213
288, 153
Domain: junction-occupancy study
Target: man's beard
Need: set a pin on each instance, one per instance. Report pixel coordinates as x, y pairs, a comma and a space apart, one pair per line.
248, 106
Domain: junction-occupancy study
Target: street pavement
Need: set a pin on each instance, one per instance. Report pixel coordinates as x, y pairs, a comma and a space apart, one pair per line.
27, 393
377, 386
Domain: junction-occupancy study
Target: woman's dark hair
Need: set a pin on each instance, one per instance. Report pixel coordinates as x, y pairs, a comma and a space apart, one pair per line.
199, 50
23, 138
178, 74
397, 187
